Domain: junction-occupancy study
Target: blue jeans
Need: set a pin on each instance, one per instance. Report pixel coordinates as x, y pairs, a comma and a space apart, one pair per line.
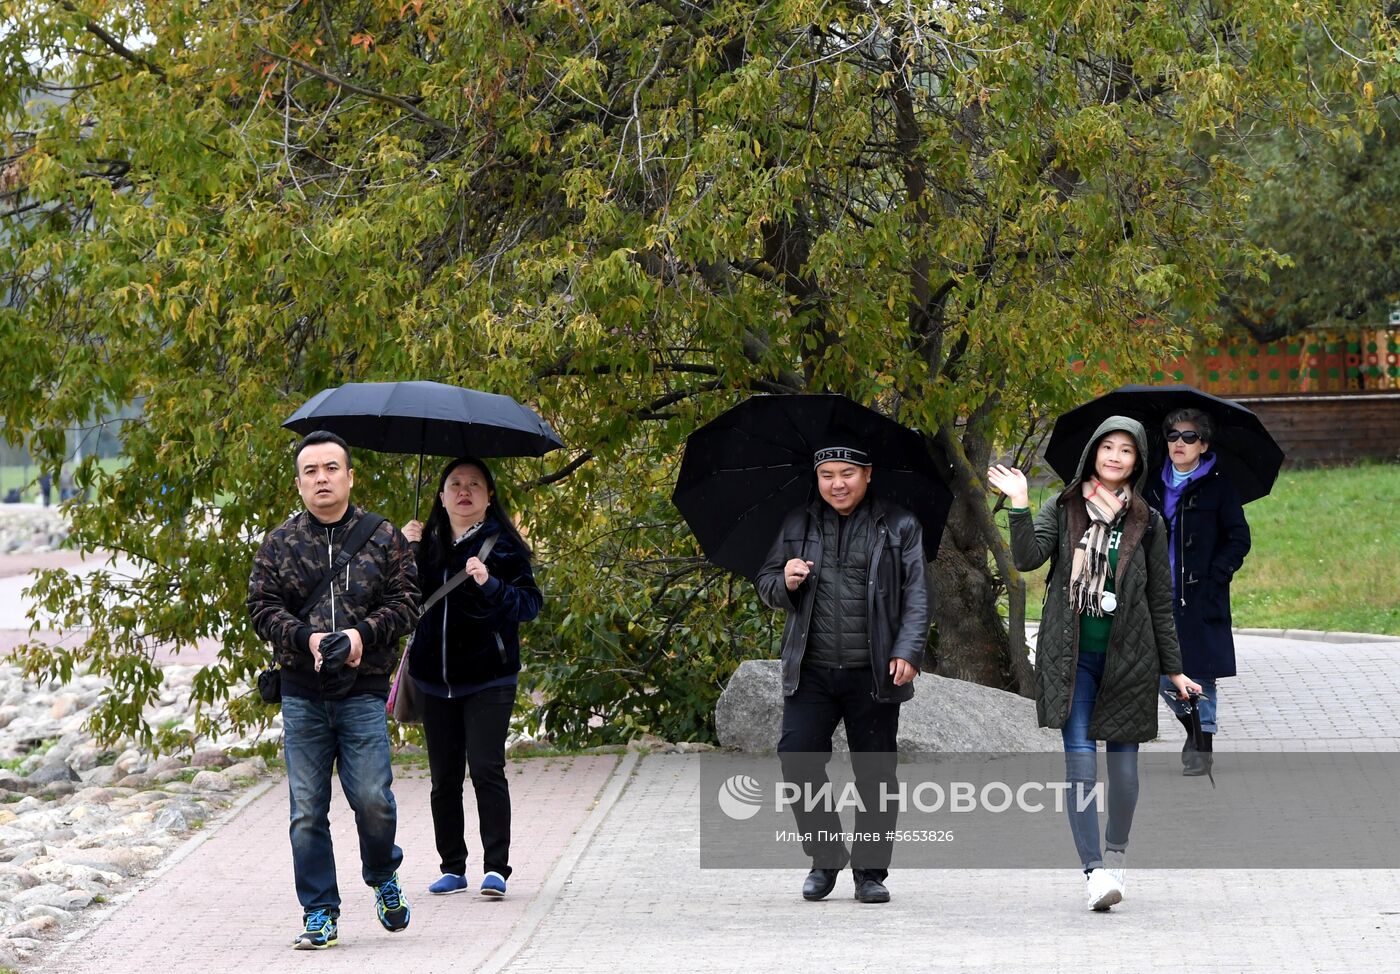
353, 736
1210, 698
1081, 771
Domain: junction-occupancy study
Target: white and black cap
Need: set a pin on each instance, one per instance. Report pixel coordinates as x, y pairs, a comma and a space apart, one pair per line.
843, 454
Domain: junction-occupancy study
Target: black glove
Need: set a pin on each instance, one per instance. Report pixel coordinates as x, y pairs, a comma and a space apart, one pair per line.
335, 651
336, 678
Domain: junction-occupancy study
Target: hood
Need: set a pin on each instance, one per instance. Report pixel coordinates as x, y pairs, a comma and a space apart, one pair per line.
1116, 424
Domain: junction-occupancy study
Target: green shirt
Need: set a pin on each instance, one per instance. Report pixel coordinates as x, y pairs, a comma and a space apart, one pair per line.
1094, 630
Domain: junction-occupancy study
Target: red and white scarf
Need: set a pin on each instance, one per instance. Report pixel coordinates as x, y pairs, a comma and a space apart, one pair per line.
1089, 570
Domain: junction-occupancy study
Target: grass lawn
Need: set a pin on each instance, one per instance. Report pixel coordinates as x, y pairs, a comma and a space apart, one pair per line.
1326, 553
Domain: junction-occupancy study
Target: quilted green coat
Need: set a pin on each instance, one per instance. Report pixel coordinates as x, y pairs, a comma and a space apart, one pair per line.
1142, 644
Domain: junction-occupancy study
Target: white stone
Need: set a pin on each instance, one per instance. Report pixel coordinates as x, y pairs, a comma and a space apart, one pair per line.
124, 862
32, 928
101, 776
57, 913
48, 893
244, 770
211, 781
172, 820
84, 758
18, 876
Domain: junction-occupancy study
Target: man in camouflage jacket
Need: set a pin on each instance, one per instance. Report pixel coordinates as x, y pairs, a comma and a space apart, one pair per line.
335, 720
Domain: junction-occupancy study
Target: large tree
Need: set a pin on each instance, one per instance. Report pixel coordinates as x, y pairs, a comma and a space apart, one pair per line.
631, 214
1330, 208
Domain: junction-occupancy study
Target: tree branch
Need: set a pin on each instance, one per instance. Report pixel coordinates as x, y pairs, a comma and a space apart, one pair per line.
384, 97
112, 43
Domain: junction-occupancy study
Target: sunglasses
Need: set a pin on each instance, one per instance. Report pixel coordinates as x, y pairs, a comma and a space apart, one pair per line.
1188, 436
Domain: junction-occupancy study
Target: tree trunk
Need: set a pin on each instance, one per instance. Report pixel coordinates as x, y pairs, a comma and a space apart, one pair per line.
973, 563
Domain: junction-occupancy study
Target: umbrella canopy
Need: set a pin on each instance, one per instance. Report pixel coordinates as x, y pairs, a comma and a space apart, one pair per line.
746, 469
1244, 448
426, 417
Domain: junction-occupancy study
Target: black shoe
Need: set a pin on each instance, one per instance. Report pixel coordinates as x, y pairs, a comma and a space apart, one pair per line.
819, 883
1200, 763
871, 891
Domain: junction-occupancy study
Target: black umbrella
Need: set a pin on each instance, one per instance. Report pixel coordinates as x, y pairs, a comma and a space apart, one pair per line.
426, 417
1244, 449
746, 469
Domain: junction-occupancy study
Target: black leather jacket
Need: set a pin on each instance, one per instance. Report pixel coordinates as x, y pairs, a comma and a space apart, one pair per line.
897, 594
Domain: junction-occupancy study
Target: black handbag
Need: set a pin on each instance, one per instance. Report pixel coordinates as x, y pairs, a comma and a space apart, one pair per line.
269, 680
270, 685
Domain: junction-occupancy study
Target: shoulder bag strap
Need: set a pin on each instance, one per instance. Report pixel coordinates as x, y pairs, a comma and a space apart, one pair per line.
369, 523
457, 579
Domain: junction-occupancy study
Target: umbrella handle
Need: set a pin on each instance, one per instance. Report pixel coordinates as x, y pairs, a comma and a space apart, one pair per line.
418, 487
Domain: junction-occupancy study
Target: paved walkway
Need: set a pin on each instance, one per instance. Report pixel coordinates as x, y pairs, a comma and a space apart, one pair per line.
607, 879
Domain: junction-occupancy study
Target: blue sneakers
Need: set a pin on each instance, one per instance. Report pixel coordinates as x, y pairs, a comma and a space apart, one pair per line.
449, 883
319, 932
493, 884
390, 904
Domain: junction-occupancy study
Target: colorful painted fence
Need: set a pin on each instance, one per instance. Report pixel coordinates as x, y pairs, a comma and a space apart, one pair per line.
1315, 362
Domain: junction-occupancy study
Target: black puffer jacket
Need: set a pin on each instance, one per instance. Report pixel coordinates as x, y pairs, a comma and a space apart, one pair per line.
897, 603
837, 636
1142, 643
473, 635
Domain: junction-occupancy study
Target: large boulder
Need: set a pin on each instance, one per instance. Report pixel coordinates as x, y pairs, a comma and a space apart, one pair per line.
944, 715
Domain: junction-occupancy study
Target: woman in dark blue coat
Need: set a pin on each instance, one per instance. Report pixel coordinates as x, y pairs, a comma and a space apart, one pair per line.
1209, 539
465, 658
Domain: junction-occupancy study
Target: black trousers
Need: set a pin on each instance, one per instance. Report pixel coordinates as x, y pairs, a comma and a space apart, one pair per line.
824, 698
470, 733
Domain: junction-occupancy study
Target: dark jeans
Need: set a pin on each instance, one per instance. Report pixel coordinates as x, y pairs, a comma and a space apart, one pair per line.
1081, 771
470, 733
352, 735
824, 698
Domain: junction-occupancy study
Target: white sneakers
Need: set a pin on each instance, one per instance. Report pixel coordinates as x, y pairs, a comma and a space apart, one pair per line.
1103, 890
1116, 862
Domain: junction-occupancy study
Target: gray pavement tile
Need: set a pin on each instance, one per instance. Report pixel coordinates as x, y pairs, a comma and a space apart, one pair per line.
609, 879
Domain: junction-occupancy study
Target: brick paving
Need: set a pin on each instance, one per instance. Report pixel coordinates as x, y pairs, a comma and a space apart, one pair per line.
607, 852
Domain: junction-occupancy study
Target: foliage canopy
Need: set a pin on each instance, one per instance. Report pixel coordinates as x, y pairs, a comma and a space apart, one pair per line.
630, 214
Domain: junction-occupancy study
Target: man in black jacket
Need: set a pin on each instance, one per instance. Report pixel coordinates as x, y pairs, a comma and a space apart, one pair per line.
333, 715
849, 572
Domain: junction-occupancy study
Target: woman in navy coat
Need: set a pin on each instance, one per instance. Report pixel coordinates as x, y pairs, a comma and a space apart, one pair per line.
1208, 540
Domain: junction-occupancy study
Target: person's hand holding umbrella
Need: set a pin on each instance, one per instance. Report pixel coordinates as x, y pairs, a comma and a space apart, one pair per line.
795, 573
1185, 686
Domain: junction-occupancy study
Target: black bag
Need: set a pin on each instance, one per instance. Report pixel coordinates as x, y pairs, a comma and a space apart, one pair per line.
270, 680
270, 685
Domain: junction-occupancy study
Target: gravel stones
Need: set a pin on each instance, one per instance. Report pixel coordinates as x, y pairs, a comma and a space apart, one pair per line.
79, 823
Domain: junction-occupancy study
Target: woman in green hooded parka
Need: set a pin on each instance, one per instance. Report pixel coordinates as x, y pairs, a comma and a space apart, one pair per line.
1106, 632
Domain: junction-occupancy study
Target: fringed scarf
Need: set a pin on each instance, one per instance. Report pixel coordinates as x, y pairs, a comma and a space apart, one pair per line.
1089, 570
